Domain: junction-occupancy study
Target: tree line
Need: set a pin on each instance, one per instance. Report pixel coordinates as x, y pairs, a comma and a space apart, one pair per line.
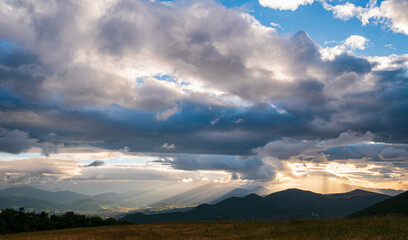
14, 221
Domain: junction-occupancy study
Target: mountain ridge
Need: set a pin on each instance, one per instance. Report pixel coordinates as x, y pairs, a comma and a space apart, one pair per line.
279, 205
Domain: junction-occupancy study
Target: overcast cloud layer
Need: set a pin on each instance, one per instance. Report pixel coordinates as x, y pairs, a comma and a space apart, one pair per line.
182, 79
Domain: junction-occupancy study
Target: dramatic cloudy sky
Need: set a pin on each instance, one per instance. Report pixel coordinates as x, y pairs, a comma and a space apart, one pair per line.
112, 95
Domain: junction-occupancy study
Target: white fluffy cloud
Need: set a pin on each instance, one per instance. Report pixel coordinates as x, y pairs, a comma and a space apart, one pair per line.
396, 12
284, 4
391, 12
345, 11
348, 46
356, 42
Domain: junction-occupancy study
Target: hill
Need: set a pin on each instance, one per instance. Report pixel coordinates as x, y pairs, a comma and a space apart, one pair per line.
64, 197
85, 205
397, 205
241, 192
279, 205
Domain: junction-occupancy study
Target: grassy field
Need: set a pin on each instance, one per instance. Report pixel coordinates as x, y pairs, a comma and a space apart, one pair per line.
389, 227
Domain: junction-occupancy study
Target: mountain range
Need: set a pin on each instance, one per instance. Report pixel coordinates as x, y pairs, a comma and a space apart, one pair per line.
238, 203
34, 199
279, 205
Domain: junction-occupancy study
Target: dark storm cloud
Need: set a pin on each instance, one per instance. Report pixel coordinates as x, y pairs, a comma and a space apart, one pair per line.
96, 163
346, 63
16, 141
394, 153
190, 130
19, 73
249, 168
287, 148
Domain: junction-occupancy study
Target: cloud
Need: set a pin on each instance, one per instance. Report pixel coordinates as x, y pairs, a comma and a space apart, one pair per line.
287, 148
356, 42
38, 171
345, 11
16, 141
26, 171
247, 168
140, 73
123, 172
213, 122
275, 25
96, 163
348, 46
284, 5
166, 114
395, 11
391, 153
186, 180
391, 13
390, 46
347, 138
168, 146
101, 76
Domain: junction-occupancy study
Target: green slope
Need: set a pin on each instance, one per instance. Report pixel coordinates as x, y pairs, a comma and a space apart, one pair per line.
397, 205
30, 204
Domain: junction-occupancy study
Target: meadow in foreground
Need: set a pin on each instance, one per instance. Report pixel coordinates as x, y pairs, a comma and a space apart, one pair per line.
389, 227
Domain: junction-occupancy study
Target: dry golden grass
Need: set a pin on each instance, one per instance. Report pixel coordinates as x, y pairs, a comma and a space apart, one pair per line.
377, 228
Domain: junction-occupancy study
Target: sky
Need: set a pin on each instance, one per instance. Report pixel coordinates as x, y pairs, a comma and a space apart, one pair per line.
115, 95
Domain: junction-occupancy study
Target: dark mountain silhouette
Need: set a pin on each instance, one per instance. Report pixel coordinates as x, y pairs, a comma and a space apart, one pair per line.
63, 197
241, 192
279, 205
354, 193
193, 197
397, 205
386, 191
